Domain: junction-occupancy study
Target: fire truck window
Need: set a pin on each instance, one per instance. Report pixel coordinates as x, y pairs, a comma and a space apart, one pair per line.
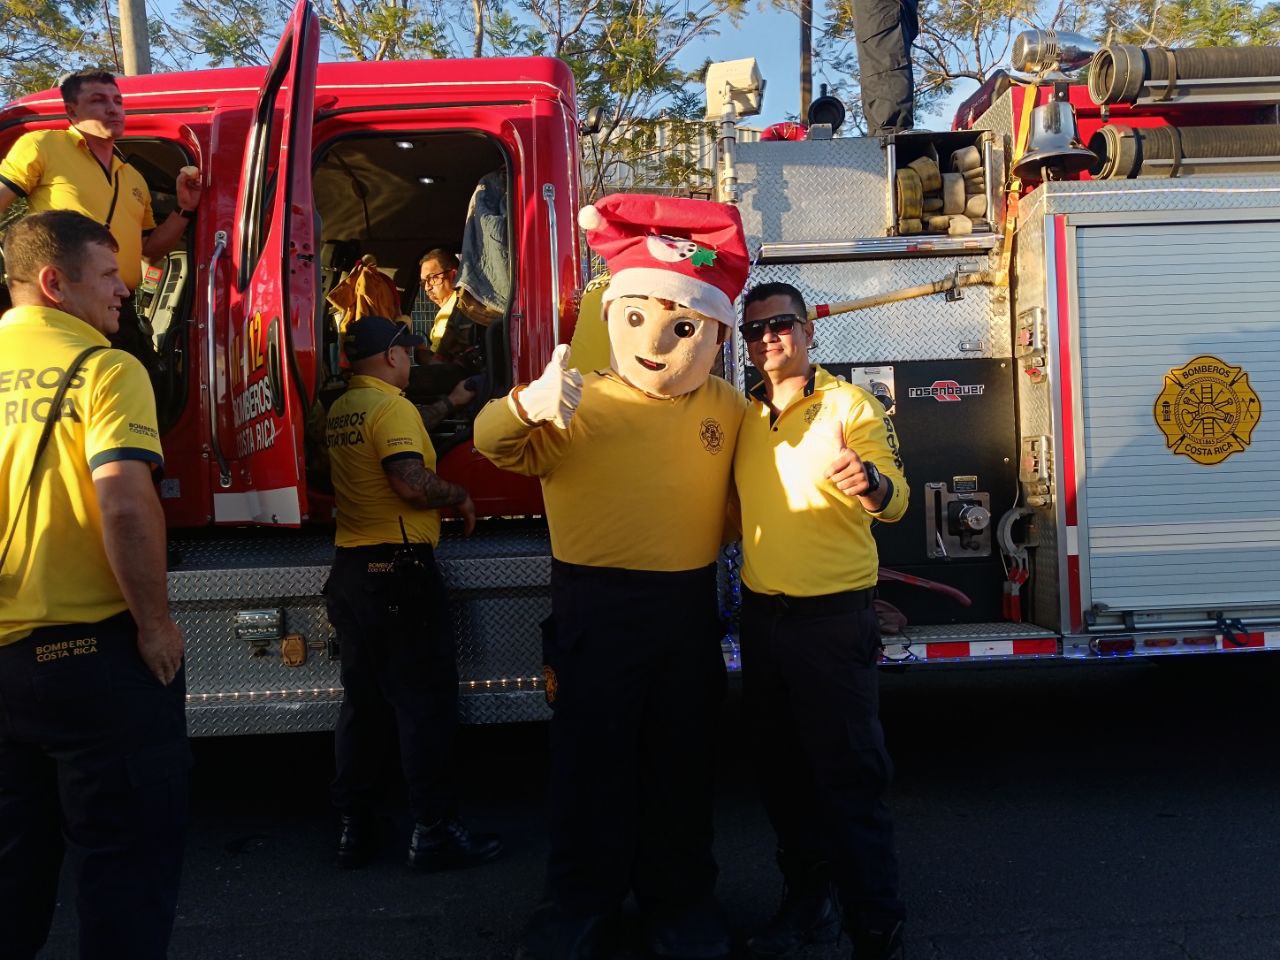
163, 299
388, 199
264, 158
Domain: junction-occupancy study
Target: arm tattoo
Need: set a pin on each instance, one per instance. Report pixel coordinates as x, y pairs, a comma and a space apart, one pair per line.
427, 484
433, 413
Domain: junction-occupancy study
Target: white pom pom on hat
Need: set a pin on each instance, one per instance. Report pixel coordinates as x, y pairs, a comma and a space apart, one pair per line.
589, 218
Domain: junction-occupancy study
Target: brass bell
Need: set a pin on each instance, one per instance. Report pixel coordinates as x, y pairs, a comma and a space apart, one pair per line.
1054, 151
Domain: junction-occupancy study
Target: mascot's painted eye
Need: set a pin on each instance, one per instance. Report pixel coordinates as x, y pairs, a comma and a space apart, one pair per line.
635, 317
685, 329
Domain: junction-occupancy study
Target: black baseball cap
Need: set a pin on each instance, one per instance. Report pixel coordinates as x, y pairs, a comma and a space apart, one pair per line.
370, 336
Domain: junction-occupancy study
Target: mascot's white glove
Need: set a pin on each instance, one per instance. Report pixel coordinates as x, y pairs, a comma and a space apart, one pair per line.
553, 397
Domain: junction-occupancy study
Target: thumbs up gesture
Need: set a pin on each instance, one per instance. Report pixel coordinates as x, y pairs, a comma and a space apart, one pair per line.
554, 396
846, 470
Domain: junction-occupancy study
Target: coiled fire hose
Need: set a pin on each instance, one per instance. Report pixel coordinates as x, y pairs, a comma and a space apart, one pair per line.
1120, 70
1124, 152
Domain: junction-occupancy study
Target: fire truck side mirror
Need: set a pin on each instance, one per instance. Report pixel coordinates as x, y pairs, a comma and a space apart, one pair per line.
593, 122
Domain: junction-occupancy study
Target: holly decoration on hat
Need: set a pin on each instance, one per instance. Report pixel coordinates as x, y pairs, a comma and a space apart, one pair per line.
703, 257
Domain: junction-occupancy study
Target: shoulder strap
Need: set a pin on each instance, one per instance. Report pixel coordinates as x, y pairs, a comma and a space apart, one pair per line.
55, 414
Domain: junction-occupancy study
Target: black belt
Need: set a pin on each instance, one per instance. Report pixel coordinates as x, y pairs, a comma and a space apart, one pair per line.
781, 604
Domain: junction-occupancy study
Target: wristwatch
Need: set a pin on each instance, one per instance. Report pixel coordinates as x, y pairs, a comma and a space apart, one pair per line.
186, 214
873, 477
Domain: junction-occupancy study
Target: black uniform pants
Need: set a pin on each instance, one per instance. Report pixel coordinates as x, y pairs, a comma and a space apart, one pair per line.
94, 758
885, 31
811, 694
639, 680
399, 674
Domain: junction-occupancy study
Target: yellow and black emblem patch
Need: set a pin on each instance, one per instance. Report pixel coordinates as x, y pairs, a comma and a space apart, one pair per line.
1207, 410
550, 684
712, 435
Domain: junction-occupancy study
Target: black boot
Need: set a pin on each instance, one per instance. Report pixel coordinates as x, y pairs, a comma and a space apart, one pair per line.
355, 840
885, 944
808, 912
448, 845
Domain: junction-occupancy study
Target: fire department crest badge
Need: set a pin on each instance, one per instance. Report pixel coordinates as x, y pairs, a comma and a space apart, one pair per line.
1207, 410
712, 435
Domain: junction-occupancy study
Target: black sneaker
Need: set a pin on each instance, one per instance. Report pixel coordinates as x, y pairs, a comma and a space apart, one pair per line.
449, 845
355, 841
887, 944
807, 914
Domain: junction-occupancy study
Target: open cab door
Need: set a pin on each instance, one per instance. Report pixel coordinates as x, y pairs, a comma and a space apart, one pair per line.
271, 356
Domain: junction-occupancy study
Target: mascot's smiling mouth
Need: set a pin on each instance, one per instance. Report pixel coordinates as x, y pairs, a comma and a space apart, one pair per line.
650, 364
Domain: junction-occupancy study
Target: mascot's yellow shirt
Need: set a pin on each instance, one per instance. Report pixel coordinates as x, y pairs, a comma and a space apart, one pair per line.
369, 426
800, 535
56, 170
57, 569
635, 482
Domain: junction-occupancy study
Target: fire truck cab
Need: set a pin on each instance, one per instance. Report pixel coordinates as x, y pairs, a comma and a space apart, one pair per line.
307, 168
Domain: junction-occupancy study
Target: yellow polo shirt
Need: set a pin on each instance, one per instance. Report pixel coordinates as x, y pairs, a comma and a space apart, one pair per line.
56, 170
440, 325
57, 569
635, 481
371, 425
800, 535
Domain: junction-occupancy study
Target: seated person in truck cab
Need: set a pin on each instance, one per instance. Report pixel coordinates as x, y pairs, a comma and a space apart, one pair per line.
449, 356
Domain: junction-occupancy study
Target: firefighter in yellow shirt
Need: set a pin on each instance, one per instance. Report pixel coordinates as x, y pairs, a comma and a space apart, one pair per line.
635, 467
93, 742
80, 169
817, 461
387, 604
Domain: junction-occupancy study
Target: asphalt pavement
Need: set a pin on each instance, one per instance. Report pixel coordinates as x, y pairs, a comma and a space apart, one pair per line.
1054, 811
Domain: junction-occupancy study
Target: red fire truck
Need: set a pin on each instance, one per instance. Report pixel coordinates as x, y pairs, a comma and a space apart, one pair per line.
1026, 408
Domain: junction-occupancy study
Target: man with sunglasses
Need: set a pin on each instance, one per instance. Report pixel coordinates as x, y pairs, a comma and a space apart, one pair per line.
387, 605
816, 463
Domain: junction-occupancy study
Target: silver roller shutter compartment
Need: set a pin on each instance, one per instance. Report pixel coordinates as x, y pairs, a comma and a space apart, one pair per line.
1165, 533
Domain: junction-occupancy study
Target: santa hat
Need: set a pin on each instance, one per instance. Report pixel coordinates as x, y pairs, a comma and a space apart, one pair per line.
690, 251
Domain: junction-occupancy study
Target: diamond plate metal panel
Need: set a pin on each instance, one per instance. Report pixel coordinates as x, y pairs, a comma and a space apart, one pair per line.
1035, 411
949, 632
812, 190
999, 119
514, 707
1142, 196
927, 328
498, 597
268, 716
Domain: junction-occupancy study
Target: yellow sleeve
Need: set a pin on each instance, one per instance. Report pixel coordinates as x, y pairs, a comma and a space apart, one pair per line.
120, 422
23, 165
869, 432
148, 215
396, 432
511, 444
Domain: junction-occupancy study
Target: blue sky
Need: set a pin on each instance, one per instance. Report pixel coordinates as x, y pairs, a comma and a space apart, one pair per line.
773, 37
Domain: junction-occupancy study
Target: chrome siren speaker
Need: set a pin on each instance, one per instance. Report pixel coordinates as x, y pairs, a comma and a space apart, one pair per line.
1045, 51
1054, 150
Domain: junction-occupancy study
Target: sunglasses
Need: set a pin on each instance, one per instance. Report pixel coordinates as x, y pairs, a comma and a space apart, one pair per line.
753, 330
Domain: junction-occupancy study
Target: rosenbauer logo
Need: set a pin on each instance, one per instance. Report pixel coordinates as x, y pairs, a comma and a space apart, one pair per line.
948, 391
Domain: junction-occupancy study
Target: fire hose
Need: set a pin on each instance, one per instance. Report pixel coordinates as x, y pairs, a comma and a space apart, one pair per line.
953, 282
1120, 70
1124, 152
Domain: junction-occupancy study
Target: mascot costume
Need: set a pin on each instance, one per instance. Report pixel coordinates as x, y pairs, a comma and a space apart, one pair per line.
635, 467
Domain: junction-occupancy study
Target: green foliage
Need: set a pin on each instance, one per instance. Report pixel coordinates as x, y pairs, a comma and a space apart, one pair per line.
42, 39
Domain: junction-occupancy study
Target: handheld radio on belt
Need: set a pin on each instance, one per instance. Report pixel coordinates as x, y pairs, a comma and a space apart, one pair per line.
407, 568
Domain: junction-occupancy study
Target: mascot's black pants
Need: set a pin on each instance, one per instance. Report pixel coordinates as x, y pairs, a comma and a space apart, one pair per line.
638, 683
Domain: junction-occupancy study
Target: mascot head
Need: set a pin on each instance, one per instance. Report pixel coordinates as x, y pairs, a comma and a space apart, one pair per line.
676, 267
